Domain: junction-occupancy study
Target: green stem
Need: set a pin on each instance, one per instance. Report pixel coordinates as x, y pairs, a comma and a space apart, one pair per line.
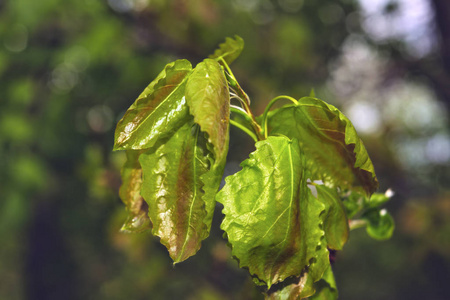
355, 224
246, 106
243, 99
224, 63
269, 106
241, 112
244, 129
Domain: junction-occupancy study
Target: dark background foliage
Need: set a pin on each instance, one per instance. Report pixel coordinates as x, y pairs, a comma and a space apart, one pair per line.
69, 69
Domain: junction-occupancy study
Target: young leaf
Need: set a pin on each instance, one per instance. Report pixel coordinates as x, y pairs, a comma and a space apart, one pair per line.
271, 218
130, 193
378, 199
230, 50
380, 224
158, 112
353, 204
180, 212
336, 223
209, 102
334, 152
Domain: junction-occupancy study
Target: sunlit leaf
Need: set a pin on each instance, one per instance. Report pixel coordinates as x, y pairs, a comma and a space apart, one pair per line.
229, 50
209, 102
336, 223
334, 152
172, 187
380, 224
158, 112
272, 221
130, 193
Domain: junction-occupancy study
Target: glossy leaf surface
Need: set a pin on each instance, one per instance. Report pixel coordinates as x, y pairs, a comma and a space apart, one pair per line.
271, 219
335, 223
159, 111
229, 50
172, 186
130, 193
209, 102
334, 152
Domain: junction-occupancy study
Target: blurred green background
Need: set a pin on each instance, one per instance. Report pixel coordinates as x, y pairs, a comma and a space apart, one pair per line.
69, 70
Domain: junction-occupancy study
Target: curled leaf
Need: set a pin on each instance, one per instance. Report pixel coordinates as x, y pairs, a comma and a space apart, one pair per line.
380, 224
378, 199
130, 193
229, 50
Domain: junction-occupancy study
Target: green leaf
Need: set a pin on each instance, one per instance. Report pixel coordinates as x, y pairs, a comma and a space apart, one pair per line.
180, 211
292, 289
209, 102
158, 112
303, 287
272, 221
129, 192
229, 50
380, 224
336, 223
353, 204
378, 199
334, 152
326, 288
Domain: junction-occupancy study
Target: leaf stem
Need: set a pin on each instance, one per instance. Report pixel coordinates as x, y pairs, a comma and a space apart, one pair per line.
245, 129
355, 224
240, 111
269, 106
243, 98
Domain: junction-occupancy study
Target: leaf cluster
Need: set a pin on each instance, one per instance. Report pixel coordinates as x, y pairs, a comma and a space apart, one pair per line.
288, 206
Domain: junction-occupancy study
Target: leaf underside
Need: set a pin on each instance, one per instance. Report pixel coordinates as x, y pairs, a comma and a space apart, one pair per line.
272, 221
334, 152
129, 192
